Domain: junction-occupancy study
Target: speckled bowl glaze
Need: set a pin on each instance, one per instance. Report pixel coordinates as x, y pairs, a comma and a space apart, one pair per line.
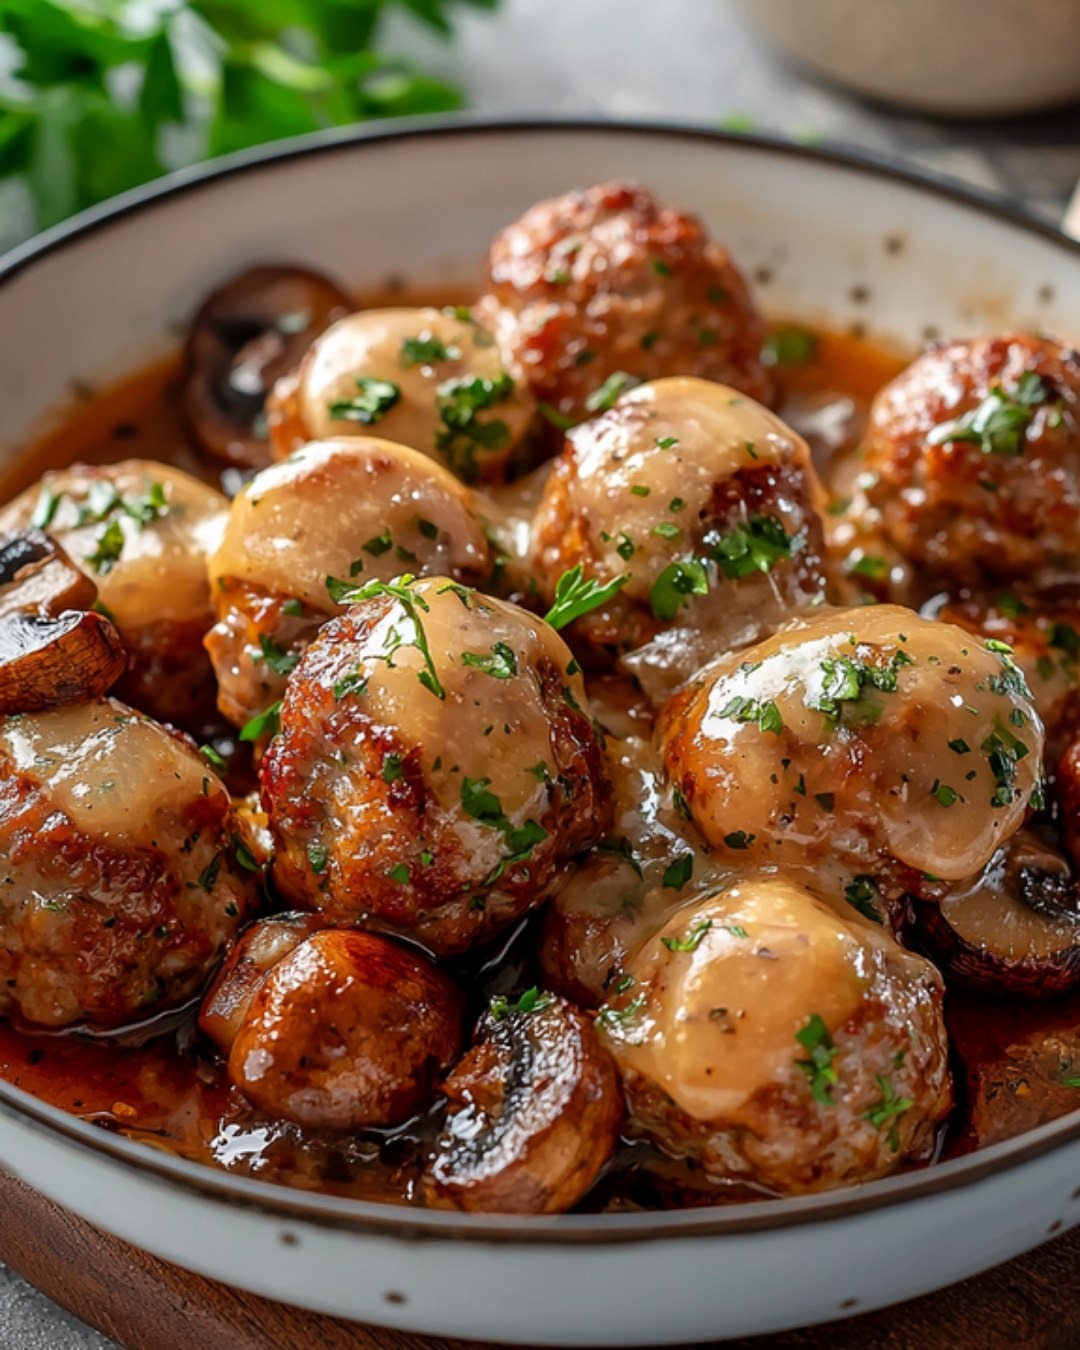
825, 237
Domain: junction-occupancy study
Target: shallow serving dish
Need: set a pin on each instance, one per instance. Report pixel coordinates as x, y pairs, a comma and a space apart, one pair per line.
824, 237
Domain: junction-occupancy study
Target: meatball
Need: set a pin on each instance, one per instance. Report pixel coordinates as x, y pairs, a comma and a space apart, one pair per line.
429, 378
974, 455
348, 1030
118, 886
356, 509
779, 1043
706, 501
437, 765
604, 282
141, 531
1044, 634
871, 735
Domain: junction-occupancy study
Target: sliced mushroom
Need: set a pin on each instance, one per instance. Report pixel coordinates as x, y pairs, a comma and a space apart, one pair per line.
246, 335
255, 953
1014, 931
38, 577
349, 1030
53, 649
534, 1114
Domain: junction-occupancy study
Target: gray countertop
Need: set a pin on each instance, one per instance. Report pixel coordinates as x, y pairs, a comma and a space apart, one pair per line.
687, 59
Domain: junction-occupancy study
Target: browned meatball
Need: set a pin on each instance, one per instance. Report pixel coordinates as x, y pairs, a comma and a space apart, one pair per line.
354, 509
118, 886
975, 449
348, 1030
437, 765
1043, 631
705, 502
606, 280
779, 1042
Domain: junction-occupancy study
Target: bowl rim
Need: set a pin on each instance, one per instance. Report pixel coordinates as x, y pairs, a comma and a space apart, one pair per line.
404, 1222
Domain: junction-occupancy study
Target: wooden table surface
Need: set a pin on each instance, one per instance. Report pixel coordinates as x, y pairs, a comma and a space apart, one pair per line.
1030, 1304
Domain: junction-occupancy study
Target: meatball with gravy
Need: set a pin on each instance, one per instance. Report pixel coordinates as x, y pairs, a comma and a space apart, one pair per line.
779, 1043
429, 378
346, 511
118, 887
709, 506
436, 767
871, 735
141, 531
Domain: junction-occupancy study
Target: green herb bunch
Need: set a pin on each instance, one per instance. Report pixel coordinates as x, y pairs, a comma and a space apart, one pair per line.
97, 96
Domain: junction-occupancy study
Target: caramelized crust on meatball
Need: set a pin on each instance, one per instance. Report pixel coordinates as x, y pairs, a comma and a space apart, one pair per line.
431, 379
870, 735
118, 887
348, 1030
606, 280
1043, 631
141, 531
975, 449
778, 1043
437, 765
706, 502
354, 510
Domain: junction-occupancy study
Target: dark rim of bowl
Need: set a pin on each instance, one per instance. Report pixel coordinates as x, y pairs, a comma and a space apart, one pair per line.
288, 1204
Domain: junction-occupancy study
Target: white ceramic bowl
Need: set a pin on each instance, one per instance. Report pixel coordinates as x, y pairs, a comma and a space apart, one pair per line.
827, 237
960, 58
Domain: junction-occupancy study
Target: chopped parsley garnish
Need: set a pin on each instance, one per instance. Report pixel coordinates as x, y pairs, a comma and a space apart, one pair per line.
623, 849
1000, 422
666, 442
559, 420
1004, 751
959, 746
209, 875
109, 547
739, 839
755, 546
862, 894
399, 873
280, 661
621, 1016
463, 434
413, 604
426, 350
943, 794
531, 1001
618, 382
317, 857
789, 346
575, 596
500, 663
679, 872
371, 403
265, 724
868, 565
692, 941
213, 758
45, 509
816, 1041
354, 683
378, 544
848, 685
675, 585
889, 1110
392, 769
665, 530
479, 802
293, 608
766, 714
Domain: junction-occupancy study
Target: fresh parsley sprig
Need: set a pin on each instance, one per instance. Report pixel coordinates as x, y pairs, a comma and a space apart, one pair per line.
575, 596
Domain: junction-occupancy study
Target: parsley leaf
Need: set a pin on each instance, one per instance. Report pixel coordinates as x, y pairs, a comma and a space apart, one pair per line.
576, 596
370, 405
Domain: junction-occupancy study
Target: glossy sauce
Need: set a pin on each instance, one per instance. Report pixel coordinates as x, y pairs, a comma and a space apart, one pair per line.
164, 1085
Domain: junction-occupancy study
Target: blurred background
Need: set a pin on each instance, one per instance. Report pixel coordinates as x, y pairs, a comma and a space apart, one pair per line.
97, 96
